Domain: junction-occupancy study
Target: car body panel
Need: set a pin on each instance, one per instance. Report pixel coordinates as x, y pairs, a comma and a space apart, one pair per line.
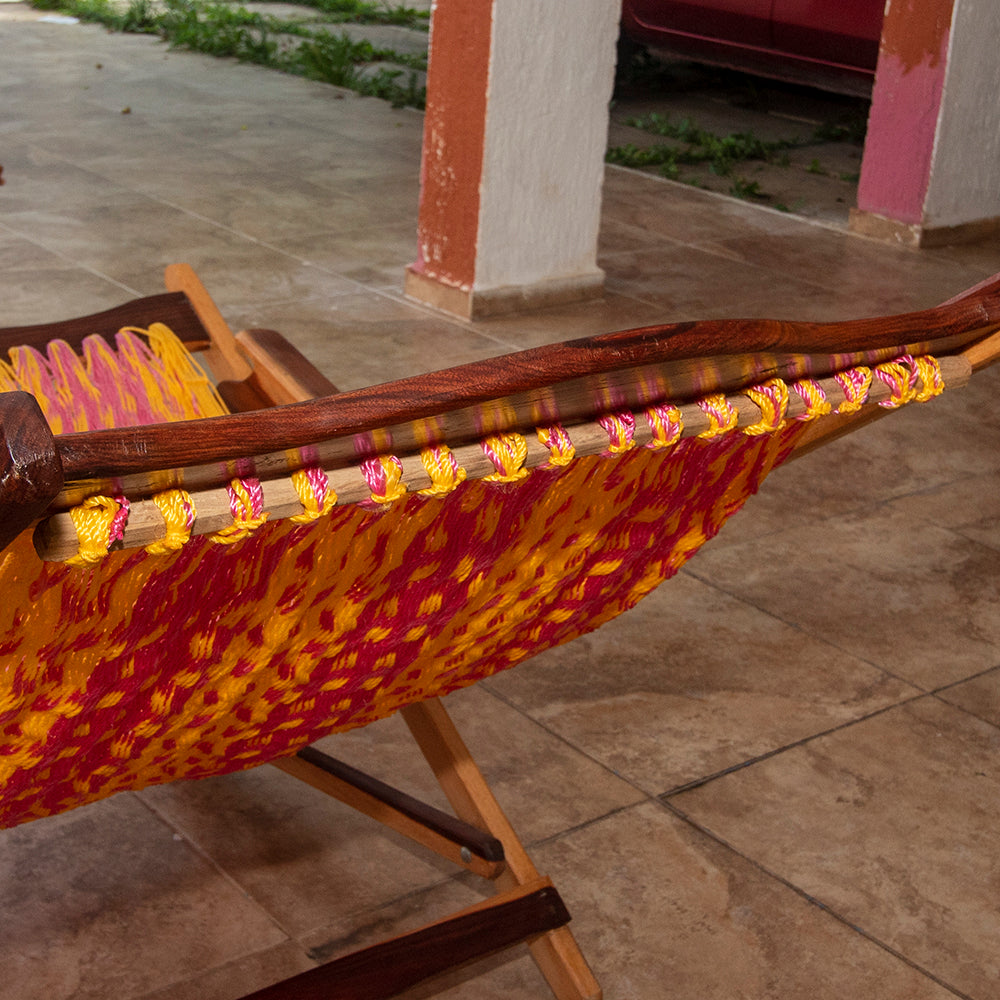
831, 44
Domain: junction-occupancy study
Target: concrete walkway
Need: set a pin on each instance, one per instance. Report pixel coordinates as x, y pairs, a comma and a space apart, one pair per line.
777, 778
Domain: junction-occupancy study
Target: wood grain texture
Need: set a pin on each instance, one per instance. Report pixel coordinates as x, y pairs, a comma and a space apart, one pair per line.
170, 308
30, 470
387, 969
454, 839
570, 382
56, 538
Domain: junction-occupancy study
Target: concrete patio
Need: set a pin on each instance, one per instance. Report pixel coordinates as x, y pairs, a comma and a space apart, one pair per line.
776, 778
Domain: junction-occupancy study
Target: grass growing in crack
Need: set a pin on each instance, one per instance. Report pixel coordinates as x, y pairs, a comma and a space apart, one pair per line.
220, 30
138, 18
337, 59
747, 190
223, 29
362, 12
720, 152
691, 145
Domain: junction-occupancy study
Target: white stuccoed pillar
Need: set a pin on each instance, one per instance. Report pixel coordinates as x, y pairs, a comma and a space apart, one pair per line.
513, 161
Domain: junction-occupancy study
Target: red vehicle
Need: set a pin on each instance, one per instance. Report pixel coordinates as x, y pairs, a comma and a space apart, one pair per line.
825, 43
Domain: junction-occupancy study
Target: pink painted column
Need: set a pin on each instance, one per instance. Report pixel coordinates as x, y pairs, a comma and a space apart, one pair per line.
929, 173
513, 155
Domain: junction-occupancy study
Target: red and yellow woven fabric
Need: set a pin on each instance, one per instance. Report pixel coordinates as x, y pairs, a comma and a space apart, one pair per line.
145, 668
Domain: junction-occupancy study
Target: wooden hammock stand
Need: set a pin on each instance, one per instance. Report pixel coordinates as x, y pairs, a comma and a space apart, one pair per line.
282, 403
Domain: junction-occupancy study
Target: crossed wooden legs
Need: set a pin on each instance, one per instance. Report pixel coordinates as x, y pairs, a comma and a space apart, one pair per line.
481, 839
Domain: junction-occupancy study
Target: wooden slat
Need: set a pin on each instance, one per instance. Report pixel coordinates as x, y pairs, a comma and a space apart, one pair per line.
281, 371
171, 308
556, 953
223, 356
391, 967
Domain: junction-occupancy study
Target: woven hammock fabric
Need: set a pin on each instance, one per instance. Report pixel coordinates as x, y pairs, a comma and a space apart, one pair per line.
146, 668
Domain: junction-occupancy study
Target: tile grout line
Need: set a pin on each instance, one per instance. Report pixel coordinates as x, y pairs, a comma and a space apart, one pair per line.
813, 900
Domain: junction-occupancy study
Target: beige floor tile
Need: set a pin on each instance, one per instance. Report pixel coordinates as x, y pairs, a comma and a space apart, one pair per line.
71, 291
302, 857
924, 608
236, 979
980, 696
656, 208
969, 507
937, 463
691, 682
877, 279
535, 775
368, 338
891, 824
108, 902
605, 314
662, 912
689, 283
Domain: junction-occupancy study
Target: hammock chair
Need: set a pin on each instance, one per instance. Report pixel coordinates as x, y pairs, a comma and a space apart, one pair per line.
284, 561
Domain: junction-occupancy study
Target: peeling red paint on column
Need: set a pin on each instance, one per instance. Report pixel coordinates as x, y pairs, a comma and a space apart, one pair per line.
906, 101
454, 131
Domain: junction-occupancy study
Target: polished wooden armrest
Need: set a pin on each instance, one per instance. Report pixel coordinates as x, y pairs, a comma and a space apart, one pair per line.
30, 469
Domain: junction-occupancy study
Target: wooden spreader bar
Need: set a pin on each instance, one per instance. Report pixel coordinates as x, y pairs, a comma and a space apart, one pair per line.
56, 537
452, 838
390, 967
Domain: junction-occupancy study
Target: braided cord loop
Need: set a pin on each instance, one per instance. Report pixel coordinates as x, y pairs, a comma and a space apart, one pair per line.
443, 470
246, 502
666, 423
313, 488
621, 431
178, 511
99, 522
931, 380
507, 452
722, 416
771, 398
561, 449
384, 476
855, 383
811, 393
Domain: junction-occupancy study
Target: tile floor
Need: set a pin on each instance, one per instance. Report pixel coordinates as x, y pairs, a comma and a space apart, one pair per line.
776, 778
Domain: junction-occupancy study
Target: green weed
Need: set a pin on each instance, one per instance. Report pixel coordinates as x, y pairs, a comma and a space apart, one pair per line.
225, 29
720, 152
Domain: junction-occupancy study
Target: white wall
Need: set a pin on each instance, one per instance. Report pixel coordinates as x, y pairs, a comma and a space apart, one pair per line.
965, 170
551, 79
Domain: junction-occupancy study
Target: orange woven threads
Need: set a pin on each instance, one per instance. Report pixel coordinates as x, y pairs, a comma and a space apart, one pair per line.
216, 660
315, 493
164, 374
621, 431
666, 423
179, 513
722, 417
929, 374
811, 393
771, 398
561, 449
507, 452
855, 383
384, 476
99, 522
148, 377
246, 502
443, 470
